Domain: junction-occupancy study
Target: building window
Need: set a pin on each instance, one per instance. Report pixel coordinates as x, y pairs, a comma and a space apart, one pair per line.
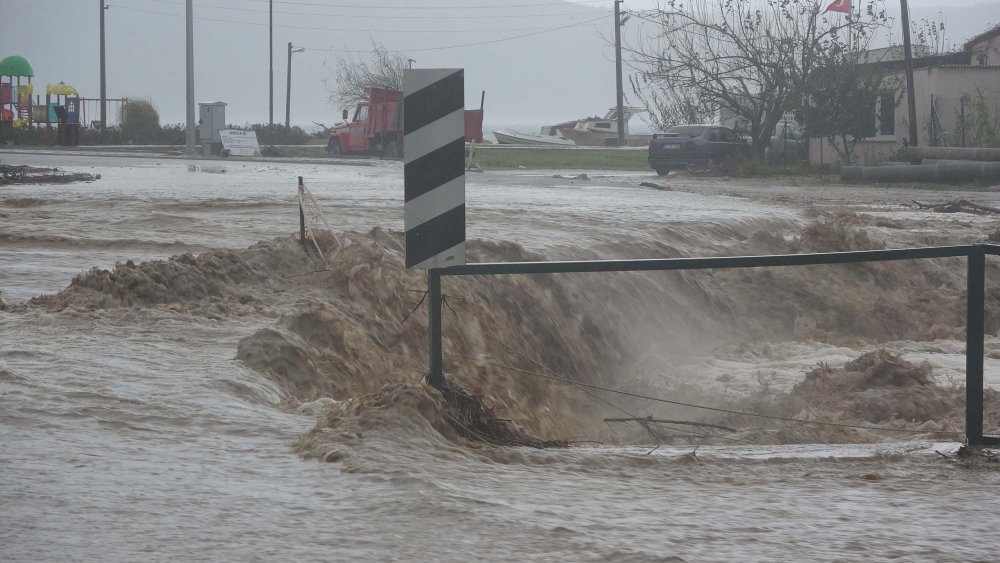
886, 112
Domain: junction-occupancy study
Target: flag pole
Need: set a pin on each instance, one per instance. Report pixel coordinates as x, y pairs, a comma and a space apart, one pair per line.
850, 32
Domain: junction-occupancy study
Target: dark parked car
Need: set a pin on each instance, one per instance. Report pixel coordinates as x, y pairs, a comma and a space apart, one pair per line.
694, 147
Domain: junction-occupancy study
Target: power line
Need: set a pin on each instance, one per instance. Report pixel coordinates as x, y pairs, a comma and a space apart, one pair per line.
703, 407
537, 30
370, 16
652, 432
439, 7
465, 44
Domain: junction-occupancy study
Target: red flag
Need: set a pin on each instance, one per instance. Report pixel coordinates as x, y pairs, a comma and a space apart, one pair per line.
843, 6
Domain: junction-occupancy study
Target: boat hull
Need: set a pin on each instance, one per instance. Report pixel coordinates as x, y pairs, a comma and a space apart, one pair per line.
528, 139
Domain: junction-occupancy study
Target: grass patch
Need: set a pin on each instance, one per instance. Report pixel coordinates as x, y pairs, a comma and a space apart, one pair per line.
504, 158
310, 151
759, 169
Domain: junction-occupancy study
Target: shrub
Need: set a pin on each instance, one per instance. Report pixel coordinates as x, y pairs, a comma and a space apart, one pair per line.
110, 136
174, 134
277, 134
27, 136
140, 122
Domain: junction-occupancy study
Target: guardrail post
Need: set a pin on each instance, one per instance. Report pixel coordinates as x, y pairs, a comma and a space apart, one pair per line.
974, 346
435, 377
302, 213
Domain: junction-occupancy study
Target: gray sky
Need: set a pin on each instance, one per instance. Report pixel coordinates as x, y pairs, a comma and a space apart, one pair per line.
563, 69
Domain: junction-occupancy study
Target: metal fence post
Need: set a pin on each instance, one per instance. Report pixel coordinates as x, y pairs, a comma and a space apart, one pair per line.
302, 214
974, 346
435, 376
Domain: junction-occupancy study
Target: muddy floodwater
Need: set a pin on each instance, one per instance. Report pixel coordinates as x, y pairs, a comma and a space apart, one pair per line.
181, 380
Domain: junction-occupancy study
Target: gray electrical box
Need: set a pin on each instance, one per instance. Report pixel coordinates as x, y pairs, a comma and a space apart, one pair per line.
211, 119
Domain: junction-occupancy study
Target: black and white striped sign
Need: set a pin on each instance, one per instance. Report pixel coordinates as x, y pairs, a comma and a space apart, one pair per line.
434, 167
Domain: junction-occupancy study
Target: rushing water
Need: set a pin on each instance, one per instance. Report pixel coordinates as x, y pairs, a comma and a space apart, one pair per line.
152, 414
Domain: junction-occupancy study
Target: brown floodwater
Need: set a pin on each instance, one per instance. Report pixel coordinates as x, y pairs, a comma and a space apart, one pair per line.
248, 401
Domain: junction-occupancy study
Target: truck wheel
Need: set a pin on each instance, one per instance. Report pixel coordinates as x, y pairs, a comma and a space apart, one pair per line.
333, 149
391, 150
662, 171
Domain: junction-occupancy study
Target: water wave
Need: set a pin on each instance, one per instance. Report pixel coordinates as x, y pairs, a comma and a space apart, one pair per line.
354, 325
22, 202
57, 241
219, 204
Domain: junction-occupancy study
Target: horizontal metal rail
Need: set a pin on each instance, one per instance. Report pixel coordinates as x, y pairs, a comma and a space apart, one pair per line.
975, 327
723, 262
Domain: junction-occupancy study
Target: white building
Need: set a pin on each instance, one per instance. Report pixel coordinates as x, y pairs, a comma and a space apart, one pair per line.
946, 86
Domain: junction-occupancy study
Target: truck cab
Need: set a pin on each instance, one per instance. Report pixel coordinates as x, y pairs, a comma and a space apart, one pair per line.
375, 128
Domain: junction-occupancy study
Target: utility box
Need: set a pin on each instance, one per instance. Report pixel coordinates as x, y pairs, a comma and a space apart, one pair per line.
211, 120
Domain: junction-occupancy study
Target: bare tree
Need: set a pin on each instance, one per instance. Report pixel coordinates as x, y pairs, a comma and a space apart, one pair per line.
933, 34
750, 59
352, 78
667, 105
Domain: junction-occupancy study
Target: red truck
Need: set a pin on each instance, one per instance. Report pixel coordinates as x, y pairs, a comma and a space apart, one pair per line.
377, 126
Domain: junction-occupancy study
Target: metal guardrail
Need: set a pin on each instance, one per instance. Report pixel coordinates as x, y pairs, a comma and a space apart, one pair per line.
976, 298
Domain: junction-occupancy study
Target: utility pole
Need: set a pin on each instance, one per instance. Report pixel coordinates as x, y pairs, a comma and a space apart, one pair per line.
270, 54
911, 95
288, 87
189, 148
618, 73
104, 83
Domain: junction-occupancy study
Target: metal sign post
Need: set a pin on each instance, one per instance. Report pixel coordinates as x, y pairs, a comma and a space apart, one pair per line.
434, 185
975, 347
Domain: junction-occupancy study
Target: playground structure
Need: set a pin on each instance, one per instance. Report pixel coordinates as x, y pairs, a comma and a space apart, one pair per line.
20, 107
15, 97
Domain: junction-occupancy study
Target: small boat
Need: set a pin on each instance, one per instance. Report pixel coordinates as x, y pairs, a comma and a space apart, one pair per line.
519, 138
598, 132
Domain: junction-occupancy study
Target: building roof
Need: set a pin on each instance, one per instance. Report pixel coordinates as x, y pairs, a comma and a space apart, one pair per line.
893, 53
961, 58
973, 67
993, 32
886, 58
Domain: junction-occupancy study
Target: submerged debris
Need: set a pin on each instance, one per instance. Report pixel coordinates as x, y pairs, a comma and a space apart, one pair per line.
970, 456
976, 453
957, 206
655, 186
581, 176
31, 175
473, 419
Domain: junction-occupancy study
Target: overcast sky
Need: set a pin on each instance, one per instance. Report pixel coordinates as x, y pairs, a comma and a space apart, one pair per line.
563, 67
